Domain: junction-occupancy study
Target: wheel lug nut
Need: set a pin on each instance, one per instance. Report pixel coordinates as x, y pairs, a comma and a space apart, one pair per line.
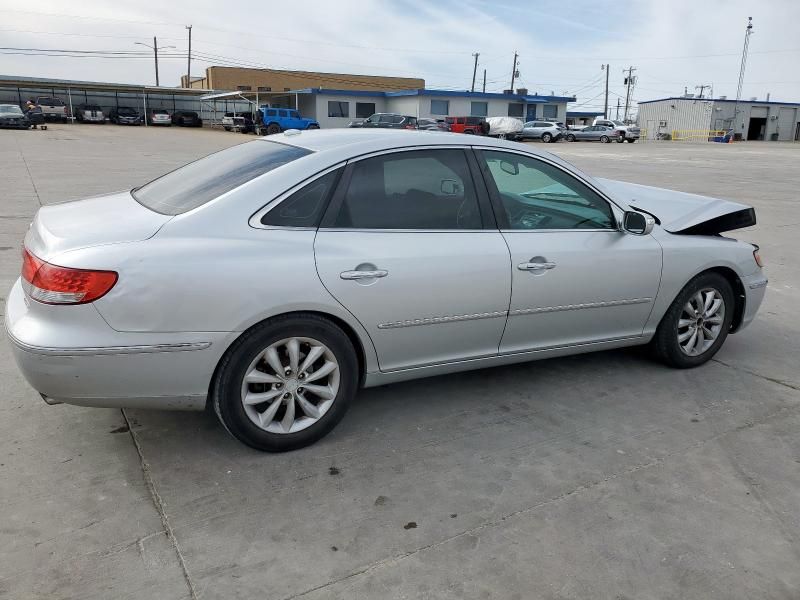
278, 385
287, 395
300, 390
287, 372
301, 376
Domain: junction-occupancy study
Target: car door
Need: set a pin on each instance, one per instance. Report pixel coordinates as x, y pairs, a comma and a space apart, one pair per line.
576, 278
294, 121
590, 133
409, 246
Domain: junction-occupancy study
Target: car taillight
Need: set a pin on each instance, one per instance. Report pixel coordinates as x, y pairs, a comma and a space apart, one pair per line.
51, 284
757, 257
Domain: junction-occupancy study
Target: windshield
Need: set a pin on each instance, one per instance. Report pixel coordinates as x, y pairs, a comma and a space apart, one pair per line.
123, 110
618, 123
203, 180
10, 108
91, 107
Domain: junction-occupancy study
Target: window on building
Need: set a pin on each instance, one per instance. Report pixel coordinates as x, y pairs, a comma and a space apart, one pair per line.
338, 109
516, 109
425, 189
479, 109
364, 109
550, 111
243, 88
440, 107
286, 89
264, 88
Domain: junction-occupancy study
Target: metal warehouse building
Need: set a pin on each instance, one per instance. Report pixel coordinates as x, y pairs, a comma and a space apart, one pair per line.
689, 117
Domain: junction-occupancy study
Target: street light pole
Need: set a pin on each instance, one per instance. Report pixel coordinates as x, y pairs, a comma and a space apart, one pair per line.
155, 50
189, 59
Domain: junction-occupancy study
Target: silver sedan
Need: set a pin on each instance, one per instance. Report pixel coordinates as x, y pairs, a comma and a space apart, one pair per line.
273, 279
593, 133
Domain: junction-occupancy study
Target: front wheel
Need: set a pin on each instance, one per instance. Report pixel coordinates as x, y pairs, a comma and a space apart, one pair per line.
570, 138
620, 139
312, 126
630, 140
547, 138
286, 383
696, 323
604, 139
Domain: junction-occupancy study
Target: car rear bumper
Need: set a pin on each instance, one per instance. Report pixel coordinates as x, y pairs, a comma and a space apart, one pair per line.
70, 354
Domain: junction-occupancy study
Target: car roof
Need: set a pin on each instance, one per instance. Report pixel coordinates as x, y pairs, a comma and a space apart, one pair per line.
347, 142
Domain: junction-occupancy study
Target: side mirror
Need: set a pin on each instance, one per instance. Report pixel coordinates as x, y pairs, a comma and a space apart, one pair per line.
638, 223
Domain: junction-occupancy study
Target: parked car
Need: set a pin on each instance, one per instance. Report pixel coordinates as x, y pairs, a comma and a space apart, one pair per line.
159, 116
186, 118
89, 113
274, 278
53, 108
432, 125
12, 117
541, 130
468, 125
275, 120
125, 115
386, 121
628, 133
593, 133
238, 121
507, 128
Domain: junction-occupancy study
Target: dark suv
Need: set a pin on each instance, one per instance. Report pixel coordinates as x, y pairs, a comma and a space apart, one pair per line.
186, 118
387, 121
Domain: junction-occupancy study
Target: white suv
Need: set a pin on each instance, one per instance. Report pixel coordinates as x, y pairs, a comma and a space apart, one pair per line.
546, 131
628, 133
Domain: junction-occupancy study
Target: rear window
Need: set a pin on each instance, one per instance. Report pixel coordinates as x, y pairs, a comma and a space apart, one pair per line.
50, 101
203, 180
160, 111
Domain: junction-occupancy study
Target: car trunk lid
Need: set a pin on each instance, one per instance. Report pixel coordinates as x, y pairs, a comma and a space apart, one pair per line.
109, 219
680, 212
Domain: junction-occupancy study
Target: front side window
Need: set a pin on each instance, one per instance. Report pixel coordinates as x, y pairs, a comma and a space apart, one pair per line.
537, 195
304, 208
479, 109
294, 114
203, 180
421, 189
440, 107
338, 109
364, 109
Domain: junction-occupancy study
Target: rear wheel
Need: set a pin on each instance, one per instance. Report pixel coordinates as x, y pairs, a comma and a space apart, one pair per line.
469, 132
570, 138
697, 322
620, 139
273, 128
286, 383
227, 128
547, 138
630, 140
605, 139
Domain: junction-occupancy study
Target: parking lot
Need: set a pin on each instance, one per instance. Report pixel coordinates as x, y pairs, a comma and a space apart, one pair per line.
596, 476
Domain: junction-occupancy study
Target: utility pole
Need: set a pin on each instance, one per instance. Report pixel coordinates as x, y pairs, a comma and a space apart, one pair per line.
189, 59
155, 50
514, 72
747, 32
628, 81
617, 109
605, 110
484, 81
702, 89
474, 70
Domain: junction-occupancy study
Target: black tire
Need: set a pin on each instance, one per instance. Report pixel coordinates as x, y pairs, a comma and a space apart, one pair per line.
620, 139
469, 132
273, 128
547, 138
604, 139
312, 126
630, 140
226, 390
665, 345
571, 138
227, 128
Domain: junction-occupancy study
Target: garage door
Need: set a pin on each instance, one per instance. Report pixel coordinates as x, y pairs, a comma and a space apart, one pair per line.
786, 121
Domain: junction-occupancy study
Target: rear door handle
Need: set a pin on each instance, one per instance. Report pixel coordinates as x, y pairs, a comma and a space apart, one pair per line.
536, 266
353, 275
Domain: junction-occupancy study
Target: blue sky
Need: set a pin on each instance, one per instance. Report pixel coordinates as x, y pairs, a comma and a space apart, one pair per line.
561, 44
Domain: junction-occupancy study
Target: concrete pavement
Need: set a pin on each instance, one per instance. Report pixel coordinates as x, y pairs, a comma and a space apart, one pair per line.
603, 476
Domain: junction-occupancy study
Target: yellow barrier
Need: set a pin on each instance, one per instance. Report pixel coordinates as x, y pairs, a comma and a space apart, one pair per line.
705, 135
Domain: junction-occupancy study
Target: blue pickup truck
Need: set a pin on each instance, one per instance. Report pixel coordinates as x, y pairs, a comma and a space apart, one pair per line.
275, 120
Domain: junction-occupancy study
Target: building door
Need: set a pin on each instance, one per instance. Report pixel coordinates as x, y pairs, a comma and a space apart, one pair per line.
756, 128
531, 114
797, 132
786, 121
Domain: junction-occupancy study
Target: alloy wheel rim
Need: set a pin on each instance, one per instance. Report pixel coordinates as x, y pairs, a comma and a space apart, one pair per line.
290, 385
700, 322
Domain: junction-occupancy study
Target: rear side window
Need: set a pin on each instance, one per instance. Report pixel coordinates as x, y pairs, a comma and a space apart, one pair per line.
424, 189
50, 101
304, 208
203, 180
272, 112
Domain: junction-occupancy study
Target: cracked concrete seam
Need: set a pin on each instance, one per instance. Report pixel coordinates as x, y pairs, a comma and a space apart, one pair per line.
583, 487
159, 505
791, 386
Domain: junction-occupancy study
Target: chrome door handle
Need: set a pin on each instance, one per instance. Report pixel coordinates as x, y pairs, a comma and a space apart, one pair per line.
536, 266
353, 275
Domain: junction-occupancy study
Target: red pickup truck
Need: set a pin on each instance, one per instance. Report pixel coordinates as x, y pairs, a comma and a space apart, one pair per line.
468, 125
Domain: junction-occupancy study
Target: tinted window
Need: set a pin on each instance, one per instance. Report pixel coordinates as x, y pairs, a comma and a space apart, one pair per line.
473, 120
338, 109
386, 118
304, 208
515, 109
479, 109
50, 101
440, 107
364, 109
124, 110
397, 119
294, 114
537, 195
283, 113
425, 189
203, 180
550, 111
271, 112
